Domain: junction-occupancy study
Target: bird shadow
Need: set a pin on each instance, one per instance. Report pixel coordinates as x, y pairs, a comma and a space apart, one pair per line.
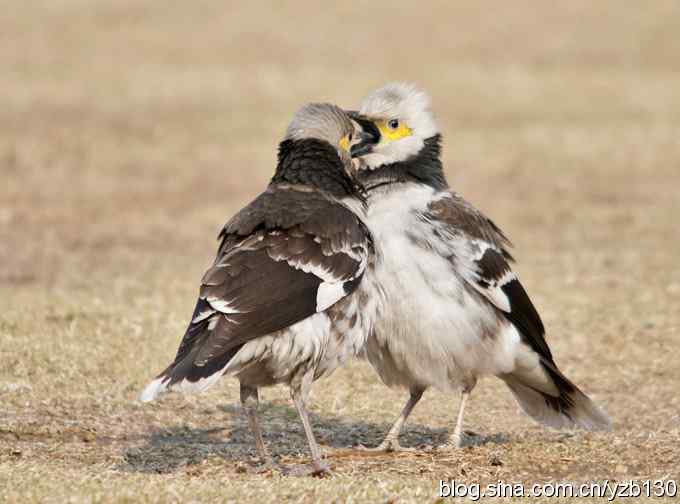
170, 449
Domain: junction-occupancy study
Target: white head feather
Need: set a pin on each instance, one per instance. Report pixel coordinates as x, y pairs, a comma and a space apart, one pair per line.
408, 104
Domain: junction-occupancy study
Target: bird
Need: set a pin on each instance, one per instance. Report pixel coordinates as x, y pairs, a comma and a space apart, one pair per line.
280, 303
450, 308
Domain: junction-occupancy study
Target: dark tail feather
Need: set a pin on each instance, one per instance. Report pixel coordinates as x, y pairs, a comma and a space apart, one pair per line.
568, 408
187, 376
185, 373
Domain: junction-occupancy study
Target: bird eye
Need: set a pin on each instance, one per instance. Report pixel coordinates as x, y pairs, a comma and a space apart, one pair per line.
349, 137
393, 124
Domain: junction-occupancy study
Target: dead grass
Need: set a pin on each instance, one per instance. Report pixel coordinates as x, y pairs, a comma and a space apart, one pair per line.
132, 130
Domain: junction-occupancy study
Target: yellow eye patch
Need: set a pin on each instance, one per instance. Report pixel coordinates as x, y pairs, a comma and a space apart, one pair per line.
392, 134
344, 143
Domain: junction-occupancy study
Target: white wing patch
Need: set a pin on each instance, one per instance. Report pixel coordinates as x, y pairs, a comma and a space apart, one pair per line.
201, 316
325, 274
328, 294
470, 252
494, 291
221, 305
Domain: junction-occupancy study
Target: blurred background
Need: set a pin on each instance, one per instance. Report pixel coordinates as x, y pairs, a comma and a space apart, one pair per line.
130, 131
128, 124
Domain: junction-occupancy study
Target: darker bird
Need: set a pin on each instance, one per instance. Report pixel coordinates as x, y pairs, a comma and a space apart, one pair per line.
279, 304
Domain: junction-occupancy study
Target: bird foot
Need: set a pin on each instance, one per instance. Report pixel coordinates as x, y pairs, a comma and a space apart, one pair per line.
457, 441
387, 446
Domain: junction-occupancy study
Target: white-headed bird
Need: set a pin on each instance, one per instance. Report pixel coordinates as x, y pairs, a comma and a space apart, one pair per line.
451, 309
279, 304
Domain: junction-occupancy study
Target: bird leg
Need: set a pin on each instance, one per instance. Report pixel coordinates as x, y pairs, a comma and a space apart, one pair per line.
456, 437
391, 441
250, 402
299, 391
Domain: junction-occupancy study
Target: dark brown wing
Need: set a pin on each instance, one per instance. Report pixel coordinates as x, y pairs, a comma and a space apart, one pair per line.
289, 254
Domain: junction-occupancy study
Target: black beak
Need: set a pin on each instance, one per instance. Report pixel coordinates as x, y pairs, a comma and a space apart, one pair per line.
368, 137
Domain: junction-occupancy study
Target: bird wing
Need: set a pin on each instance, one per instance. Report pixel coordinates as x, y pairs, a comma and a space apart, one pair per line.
289, 254
482, 259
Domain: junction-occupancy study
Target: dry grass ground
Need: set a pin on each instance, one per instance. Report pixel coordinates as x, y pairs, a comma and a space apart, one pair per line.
132, 130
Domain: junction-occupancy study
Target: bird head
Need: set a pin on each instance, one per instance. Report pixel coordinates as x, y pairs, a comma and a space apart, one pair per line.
396, 120
329, 123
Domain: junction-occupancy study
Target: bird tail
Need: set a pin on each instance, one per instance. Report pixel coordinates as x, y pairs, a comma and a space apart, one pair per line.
177, 377
557, 402
186, 377
191, 372
154, 389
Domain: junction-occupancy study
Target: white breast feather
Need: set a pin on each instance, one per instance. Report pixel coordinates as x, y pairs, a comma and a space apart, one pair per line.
429, 333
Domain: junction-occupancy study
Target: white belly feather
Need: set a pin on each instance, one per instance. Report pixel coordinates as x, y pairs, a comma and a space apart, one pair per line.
322, 342
433, 329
